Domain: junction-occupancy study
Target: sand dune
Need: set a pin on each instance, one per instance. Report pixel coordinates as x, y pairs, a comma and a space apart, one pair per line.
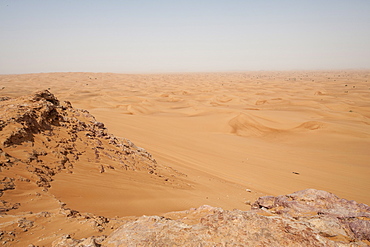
245, 125
318, 119
248, 126
269, 132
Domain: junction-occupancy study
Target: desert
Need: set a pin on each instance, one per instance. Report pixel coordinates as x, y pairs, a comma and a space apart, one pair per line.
88, 157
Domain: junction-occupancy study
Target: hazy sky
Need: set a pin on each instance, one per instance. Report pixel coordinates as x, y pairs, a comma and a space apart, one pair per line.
183, 35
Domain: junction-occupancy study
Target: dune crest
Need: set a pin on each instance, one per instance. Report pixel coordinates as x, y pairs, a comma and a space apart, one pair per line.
310, 125
248, 126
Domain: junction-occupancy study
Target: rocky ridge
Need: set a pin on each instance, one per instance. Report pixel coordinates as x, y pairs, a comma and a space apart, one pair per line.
305, 218
41, 137
49, 130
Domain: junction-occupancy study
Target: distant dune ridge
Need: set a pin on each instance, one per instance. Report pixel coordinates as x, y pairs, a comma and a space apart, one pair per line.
225, 140
245, 125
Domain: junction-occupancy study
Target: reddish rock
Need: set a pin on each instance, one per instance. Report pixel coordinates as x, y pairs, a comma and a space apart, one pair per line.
304, 218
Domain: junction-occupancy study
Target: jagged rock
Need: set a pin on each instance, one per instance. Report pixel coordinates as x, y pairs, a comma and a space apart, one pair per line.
6, 237
64, 132
7, 206
25, 224
218, 228
70, 212
331, 215
311, 201
44, 214
99, 125
101, 169
6, 184
41, 137
304, 218
4, 98
67, 241
45, 95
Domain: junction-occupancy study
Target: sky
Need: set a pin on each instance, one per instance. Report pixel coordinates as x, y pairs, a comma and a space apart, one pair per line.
143, 36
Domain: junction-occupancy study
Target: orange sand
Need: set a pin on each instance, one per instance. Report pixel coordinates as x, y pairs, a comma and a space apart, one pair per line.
227, 132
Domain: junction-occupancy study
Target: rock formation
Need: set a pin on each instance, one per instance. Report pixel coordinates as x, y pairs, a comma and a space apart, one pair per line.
305, 218
40, 137
331, 216
48, 130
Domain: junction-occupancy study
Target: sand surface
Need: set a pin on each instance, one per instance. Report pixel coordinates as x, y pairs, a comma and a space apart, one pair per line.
236, 136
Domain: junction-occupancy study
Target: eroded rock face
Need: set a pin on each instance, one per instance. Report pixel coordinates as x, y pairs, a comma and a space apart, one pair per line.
304, 218
311, 201
218, 228
331, 215
67, 241
41, 137
54, 137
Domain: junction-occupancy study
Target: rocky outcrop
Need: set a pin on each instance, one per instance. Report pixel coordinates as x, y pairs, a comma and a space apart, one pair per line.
41, 137
217, 228
332, 216
68, 241
304, 218
47, 130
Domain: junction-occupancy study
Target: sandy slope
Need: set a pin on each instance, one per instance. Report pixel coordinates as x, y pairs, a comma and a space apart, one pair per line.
227, 132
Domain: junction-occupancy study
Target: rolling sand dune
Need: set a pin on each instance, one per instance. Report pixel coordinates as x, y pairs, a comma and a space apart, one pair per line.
228, 138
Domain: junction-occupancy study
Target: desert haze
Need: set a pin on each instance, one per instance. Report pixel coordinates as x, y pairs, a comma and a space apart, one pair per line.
218, 139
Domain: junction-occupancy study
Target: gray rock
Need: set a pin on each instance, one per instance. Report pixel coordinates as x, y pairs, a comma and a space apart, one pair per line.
304, 218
